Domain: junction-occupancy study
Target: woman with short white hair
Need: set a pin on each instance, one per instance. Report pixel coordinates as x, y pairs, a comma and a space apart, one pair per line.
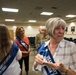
56, 56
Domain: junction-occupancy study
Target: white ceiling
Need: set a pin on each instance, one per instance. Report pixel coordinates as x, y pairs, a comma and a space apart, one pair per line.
31, 9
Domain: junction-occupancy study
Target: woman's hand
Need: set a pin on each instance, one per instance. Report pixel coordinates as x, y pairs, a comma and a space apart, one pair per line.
29, 50
25, 52
39, 59
55, 66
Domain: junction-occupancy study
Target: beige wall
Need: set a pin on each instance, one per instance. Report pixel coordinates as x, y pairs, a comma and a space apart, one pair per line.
33, 30
30, 31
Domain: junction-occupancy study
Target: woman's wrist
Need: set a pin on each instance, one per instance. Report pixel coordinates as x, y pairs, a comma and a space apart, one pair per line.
35, 64
65, 70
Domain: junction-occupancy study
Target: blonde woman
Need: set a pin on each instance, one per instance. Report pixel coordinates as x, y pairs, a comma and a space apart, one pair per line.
24, 45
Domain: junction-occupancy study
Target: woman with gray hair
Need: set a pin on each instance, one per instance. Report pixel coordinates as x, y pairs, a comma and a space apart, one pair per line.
56, 56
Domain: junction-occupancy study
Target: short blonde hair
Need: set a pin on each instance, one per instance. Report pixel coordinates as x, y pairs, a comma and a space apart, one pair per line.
52, 23
42, 27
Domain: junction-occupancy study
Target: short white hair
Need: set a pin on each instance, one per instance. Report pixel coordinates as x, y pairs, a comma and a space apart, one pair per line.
52, 23
42, 28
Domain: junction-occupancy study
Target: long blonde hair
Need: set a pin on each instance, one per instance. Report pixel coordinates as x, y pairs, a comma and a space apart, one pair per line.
5, 41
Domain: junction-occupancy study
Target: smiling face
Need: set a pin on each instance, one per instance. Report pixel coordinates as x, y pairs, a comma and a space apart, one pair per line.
59, 32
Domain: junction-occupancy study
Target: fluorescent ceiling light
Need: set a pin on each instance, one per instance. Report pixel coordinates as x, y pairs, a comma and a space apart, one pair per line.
32, 21
70, 15
9, 20
46, 13
10, 10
